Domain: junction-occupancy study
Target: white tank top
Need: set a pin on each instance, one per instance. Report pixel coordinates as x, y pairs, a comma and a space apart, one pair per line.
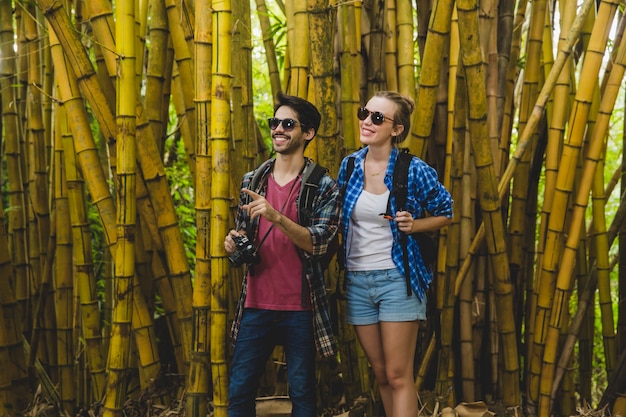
370, 239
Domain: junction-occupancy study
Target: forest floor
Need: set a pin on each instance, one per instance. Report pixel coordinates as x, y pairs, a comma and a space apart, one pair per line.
276, 406
148, 405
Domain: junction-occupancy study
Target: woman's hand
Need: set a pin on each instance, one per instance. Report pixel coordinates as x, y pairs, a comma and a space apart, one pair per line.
405, 221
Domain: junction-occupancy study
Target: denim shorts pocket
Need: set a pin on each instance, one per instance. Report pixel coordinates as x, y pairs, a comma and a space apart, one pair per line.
393, 275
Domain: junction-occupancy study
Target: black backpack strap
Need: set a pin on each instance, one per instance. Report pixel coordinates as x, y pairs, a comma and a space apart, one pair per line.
349, 170
399, 190
400, 185
311, 177
256, 175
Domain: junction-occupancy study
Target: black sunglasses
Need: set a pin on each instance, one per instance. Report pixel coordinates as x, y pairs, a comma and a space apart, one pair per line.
377, 117
288, 124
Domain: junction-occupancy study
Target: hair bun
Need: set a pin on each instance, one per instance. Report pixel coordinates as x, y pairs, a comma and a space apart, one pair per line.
410, 102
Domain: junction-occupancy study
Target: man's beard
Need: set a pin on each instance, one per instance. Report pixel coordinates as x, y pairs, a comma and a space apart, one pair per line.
289, 147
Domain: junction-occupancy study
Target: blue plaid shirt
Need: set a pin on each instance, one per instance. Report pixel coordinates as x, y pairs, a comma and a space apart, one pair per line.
425, 192
323, 227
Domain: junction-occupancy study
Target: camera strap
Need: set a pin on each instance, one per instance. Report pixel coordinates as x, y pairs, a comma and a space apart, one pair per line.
298, 177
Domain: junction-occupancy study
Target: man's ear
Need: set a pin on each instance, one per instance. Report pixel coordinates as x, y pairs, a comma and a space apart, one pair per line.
309, 134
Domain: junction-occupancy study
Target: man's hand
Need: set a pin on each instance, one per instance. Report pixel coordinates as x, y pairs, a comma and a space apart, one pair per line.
260, 207
229, 243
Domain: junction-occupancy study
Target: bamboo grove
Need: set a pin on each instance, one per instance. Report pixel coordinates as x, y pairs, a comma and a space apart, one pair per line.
519, 107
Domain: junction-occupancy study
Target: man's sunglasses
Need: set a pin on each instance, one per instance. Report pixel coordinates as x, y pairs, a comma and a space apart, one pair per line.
288, 124
377, 117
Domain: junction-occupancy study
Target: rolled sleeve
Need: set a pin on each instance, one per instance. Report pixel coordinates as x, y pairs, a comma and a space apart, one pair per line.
325, 222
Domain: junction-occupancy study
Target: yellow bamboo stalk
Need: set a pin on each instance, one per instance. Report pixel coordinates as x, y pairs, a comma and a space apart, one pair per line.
459, 232
47, 87
15, 171
373, 38
14, 287
168, 299
489, 43
526, 134
118, 363
142, 324
531, 86
445, 274
184, 61
85, 146
152, 166
509, 71
349, 39
102, 25
141, 25
176, 261
144, 334
245, 137
489, 199
198, 382
38, 181
350, 36
321, 18
556, 122
298, 47
220, 197
145, 210
58, 18
406, 48
84, 269
63, 300
391, 46
7, 396
155, 70
599, 198
178, 99
578, 119
438, 33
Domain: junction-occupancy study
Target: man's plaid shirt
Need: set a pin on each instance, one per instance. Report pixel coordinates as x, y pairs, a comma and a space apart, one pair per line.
323, 228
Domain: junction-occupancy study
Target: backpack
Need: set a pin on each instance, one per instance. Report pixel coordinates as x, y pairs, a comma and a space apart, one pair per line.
399, 189
311, 178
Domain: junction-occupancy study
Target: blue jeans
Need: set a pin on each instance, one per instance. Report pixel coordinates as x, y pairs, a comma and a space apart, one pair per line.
260, 332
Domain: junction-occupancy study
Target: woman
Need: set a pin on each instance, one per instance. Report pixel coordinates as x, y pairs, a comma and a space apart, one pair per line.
385, 316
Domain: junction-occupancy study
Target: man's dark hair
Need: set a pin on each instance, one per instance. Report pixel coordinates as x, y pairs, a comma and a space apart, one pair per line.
308, 114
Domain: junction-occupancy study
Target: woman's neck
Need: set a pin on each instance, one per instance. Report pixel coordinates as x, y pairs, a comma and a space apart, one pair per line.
378, 153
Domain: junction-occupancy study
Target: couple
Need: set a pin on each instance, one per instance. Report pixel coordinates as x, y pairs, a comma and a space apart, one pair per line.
283, 299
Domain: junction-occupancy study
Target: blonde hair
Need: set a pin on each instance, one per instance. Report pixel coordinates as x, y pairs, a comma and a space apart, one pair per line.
404, 109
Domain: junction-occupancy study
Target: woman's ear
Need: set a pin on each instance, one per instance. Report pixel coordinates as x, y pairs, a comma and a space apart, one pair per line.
397, 130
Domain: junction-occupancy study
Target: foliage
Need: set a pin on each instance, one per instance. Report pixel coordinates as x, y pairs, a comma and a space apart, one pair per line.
182, 191
263, 101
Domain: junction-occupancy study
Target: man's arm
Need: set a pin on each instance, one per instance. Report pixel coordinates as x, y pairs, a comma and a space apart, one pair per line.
259, 206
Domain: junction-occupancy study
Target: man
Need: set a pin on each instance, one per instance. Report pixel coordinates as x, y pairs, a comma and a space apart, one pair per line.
283, 299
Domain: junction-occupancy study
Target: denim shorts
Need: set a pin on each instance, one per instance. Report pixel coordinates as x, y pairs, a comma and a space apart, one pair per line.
375, 296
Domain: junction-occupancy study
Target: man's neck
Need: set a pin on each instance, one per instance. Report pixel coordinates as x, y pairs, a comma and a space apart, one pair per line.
287, 167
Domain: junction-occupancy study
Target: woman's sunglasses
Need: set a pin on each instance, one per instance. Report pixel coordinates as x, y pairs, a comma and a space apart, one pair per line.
288, 124
377, 117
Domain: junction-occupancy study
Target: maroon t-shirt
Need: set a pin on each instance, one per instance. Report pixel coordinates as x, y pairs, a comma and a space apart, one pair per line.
277, 280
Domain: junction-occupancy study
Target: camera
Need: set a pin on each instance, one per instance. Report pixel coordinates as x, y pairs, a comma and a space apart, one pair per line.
245, 252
